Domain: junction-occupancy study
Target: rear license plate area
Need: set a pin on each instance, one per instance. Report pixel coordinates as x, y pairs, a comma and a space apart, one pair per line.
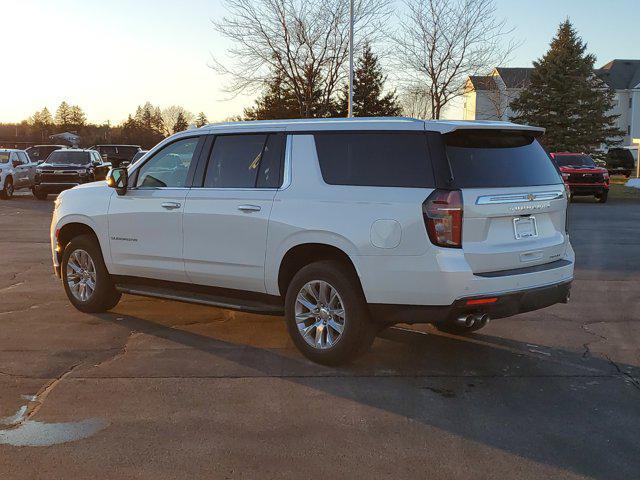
525, 227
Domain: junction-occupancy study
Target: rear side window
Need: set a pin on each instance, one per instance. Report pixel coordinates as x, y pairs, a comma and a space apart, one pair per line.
377, 159
245, 161
496, 159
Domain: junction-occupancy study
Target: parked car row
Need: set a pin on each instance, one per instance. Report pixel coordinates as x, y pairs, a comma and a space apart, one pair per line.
64, 168
49, 169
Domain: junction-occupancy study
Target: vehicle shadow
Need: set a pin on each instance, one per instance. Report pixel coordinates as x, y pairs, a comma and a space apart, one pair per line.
560, 408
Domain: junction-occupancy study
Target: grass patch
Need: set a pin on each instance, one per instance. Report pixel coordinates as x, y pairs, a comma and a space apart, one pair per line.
620, 192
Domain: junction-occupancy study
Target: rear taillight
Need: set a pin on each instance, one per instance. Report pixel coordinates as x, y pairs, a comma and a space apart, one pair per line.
442, 213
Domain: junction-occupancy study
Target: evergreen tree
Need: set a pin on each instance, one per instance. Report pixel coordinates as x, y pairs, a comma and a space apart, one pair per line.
77, 118
201, 120
566, 97
369, 99
63, 116
42, 122
181, 123
277, 102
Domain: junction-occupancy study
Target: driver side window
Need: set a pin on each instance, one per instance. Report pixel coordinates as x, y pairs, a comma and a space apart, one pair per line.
169, 166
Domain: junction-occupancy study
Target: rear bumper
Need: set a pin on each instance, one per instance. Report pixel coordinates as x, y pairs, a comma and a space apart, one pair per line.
507, 305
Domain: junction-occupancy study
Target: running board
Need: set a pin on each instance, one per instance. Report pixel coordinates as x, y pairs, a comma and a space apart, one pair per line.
230, 303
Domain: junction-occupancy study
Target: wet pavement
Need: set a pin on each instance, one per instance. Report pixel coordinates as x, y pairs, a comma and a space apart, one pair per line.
159, 389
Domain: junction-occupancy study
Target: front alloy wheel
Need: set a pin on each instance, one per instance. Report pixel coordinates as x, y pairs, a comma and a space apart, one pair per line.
85, 277
81, 275
320, 315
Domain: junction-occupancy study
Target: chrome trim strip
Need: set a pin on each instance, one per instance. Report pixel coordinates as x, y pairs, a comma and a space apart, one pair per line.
286, 178
519, 197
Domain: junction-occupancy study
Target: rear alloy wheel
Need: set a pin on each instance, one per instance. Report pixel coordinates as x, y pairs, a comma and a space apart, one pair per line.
7, 191
320, 315
327, 315
85, 277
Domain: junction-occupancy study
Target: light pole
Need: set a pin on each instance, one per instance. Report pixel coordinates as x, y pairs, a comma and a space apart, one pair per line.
636, 142
350, 107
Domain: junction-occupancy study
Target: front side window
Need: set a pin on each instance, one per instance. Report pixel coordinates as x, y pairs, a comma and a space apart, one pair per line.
23, 157
245, 161
378, 159
169, 166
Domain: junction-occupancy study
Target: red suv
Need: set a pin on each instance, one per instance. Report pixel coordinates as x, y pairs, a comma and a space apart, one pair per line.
581, 174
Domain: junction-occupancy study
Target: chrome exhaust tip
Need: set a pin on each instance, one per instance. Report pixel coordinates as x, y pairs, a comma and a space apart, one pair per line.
465, 321
470, 320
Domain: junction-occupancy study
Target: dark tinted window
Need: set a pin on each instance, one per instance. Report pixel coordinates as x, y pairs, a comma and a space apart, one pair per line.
270, 173
63, 157
374, 159
493, 158
234, 161
574, 161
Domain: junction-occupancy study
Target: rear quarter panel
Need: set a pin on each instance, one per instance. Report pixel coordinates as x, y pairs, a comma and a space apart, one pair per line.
311, 211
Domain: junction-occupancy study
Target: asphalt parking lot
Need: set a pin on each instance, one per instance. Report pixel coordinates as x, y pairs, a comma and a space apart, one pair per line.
158, 389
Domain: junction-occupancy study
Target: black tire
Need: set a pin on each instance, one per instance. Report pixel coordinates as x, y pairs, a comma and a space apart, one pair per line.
456, 329
7, 190
602, 198
39, 195
104, 296
358, 331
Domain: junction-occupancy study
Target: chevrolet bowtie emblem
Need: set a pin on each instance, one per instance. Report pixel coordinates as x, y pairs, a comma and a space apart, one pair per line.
531, 197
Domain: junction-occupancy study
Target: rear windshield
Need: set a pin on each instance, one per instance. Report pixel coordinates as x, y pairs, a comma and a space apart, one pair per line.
494, 158
379, 159
69, 158
574, 161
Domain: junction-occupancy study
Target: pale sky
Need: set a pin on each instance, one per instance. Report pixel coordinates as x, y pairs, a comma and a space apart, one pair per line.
108, 56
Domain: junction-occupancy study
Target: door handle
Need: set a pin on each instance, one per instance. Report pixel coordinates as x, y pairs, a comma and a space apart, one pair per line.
249, 208
171, 205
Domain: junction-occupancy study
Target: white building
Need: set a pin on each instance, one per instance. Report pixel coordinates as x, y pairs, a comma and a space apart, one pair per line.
489, 97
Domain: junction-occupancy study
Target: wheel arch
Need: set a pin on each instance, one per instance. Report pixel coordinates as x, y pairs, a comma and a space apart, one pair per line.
299, 255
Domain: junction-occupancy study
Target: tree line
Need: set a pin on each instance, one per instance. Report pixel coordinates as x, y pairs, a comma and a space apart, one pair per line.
147, 126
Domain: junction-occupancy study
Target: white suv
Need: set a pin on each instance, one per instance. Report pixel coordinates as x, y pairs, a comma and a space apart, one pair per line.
344, 226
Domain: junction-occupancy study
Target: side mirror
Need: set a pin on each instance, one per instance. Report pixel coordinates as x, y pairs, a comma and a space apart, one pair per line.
95, 163
16, 163
118, 178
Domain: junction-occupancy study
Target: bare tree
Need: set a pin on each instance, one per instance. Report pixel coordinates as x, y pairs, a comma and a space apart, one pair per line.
415, 102
441, 42
500, 96
172, 115
304, 42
